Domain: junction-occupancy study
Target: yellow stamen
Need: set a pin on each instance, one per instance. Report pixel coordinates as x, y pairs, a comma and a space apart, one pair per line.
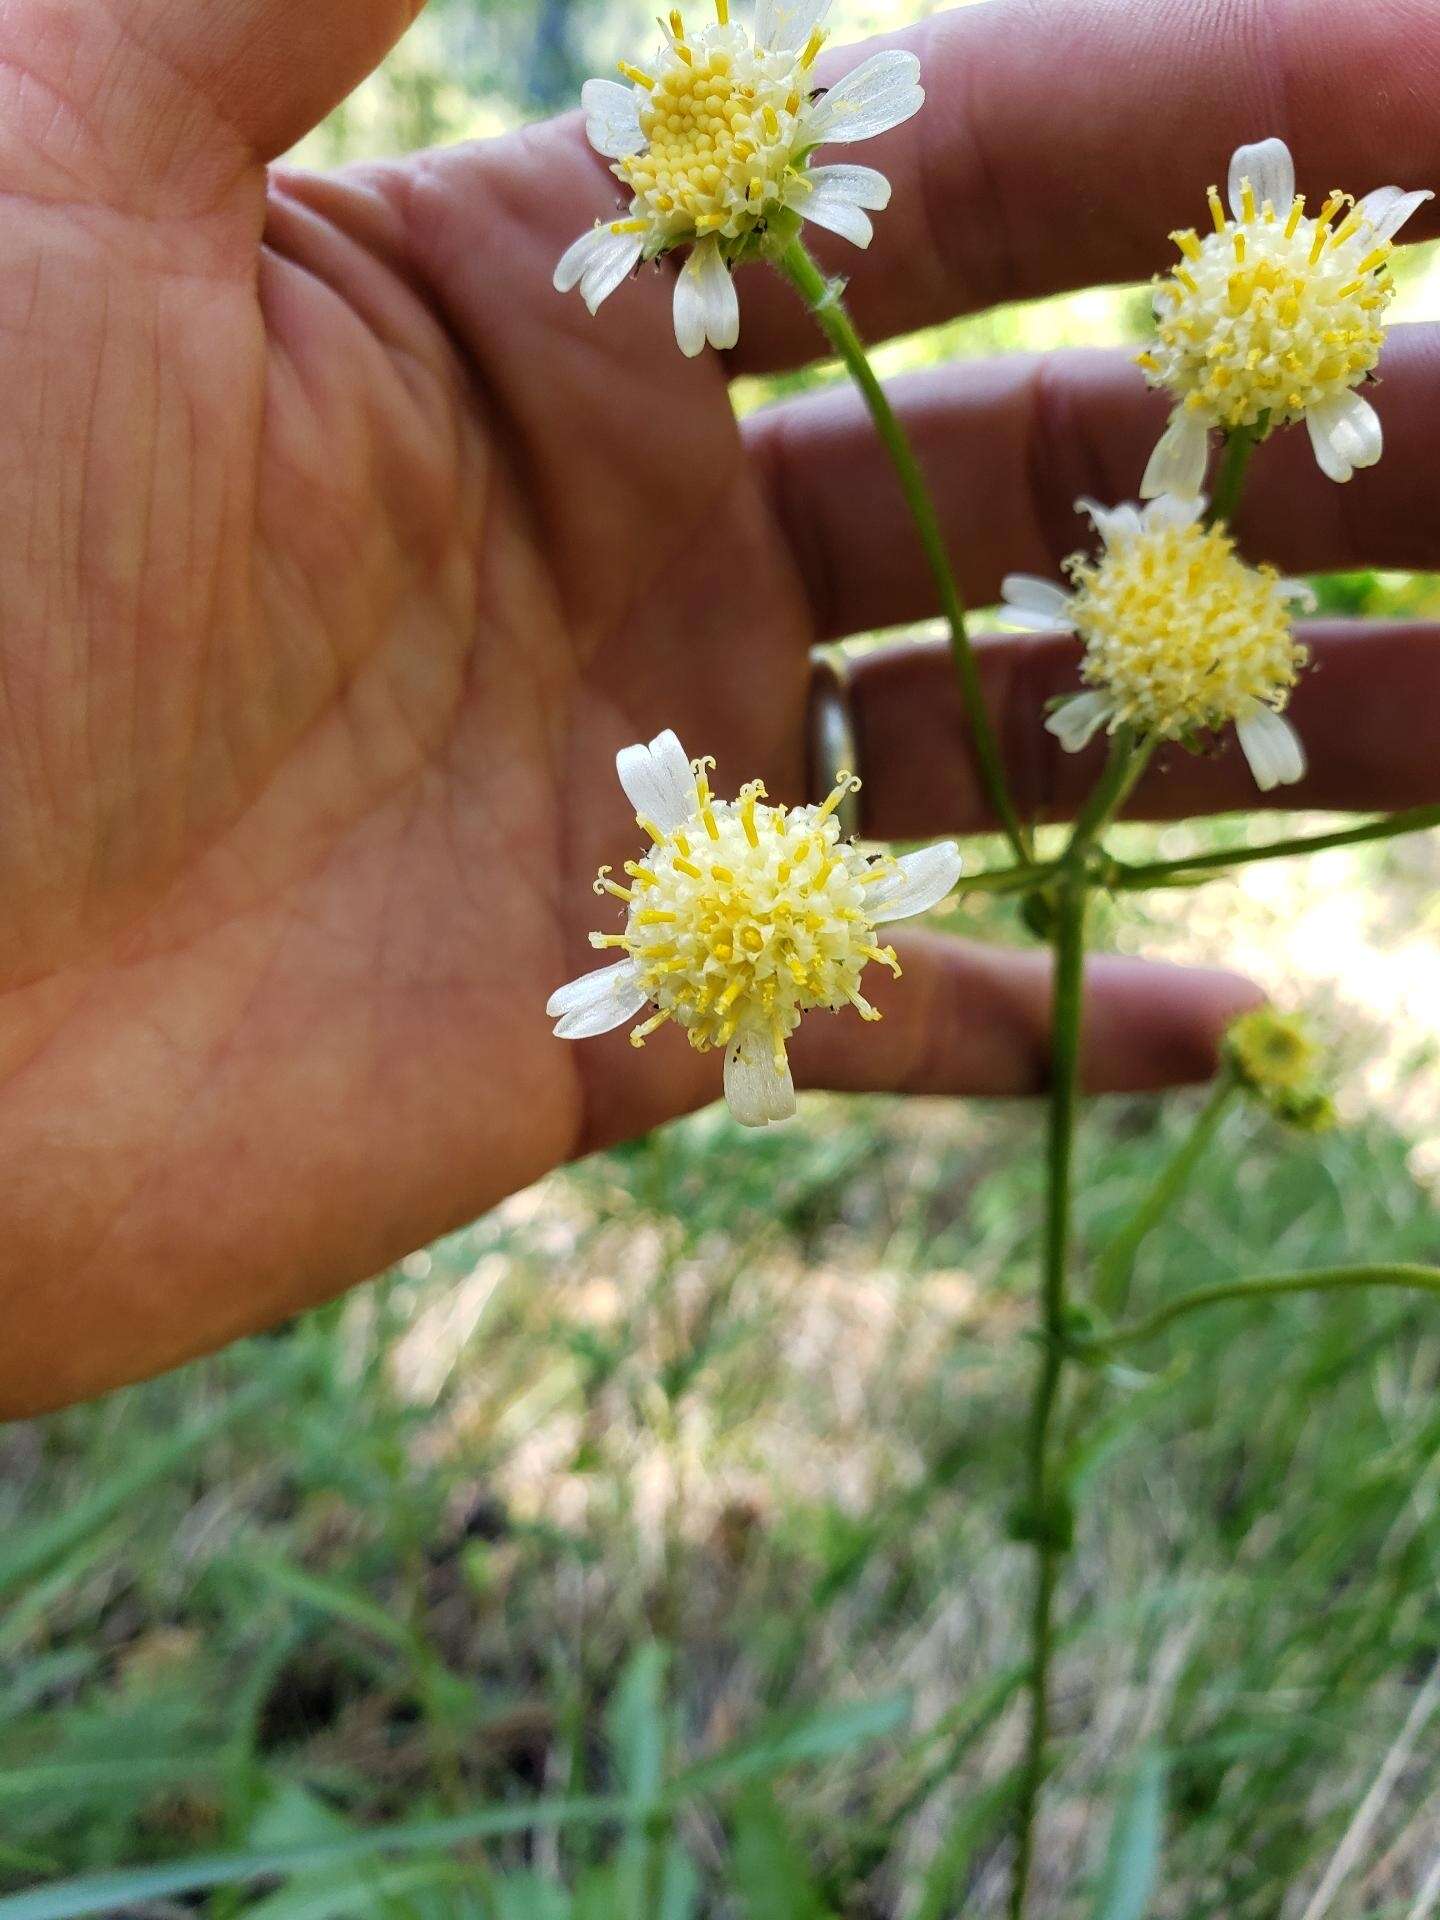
1297, 214
687, 868
722, 12
1247, 200
638, 76
629, 226
1188, 242
1349, 226
639, 1035
845, 784
812, 48
1217, 210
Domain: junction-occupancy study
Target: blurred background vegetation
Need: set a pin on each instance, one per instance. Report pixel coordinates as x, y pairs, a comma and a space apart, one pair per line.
642, 1551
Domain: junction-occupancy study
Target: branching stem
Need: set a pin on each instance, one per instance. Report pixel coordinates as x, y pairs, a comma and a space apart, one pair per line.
1160, 873
1321, 1280
822, 297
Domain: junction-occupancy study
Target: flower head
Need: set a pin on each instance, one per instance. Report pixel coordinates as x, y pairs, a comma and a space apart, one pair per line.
1181, 636
742, 916
1275, 1058
713, 145
1275, 316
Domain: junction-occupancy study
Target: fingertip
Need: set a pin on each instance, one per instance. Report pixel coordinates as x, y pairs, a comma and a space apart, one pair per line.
1152, 1025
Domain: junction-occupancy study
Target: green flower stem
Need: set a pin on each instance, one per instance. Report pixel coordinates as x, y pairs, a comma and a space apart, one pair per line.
1129, 758
1240, 443
1046, 1511
1161, 873
1117, 1261
822, 297
1016, 879
1322, 1280
1045, 1525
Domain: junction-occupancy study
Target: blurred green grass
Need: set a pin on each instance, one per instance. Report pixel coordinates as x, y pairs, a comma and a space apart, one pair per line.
653, 1532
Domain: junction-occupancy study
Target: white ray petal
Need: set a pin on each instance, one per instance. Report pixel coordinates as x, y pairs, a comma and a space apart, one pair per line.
1299, 593
783, 26
1076, 723
878, 95
706, 307
919, 882
1345, 433
1173, 510
612, 118
658, 782
1273, 749
597, 262
758, 1091
838, 198
1271, 172
597, 1002
1113, 524
1387, 209
1181, 456
1037, 606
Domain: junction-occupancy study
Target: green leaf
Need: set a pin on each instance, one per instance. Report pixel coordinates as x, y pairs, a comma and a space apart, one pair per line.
636, 1725
30, 1553
103, 1893
972, 1826
1132, 1859
526, 1896
771, 1875
370, 1891
793, 1740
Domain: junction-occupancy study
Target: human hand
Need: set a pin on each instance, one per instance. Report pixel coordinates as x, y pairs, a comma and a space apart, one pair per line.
342, 553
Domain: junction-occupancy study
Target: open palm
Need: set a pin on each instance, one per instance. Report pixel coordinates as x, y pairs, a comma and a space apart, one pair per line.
341, 554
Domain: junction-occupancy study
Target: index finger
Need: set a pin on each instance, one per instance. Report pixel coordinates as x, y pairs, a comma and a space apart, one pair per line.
1060, 142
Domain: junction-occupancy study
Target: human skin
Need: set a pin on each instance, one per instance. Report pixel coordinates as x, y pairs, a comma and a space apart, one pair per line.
339, 554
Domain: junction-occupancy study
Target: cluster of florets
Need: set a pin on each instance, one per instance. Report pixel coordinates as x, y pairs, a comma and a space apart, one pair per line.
1277, 1060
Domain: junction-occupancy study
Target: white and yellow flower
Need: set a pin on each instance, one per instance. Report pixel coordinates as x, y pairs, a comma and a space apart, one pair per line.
1273, 317
1181, 637
742, 916
714, 143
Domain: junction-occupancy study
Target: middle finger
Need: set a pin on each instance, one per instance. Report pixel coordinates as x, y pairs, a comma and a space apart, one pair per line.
1008, 445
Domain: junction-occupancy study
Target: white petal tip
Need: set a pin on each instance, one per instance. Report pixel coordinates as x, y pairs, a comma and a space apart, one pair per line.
758, 1091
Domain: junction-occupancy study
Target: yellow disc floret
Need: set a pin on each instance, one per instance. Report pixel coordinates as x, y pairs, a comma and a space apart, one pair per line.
1272, 313
724, 135
748, 914
1181, 634
1273, 1052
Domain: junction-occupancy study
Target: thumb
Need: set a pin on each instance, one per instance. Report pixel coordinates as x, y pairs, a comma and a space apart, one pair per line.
133, 101
271, 69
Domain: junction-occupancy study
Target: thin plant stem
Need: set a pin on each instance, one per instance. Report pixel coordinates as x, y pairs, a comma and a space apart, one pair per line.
1240, 443
1046, 1508
1015, 879
1045, 1522
822, 297
1116, 1263
1158, 873
1269, 1286
1129, 758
